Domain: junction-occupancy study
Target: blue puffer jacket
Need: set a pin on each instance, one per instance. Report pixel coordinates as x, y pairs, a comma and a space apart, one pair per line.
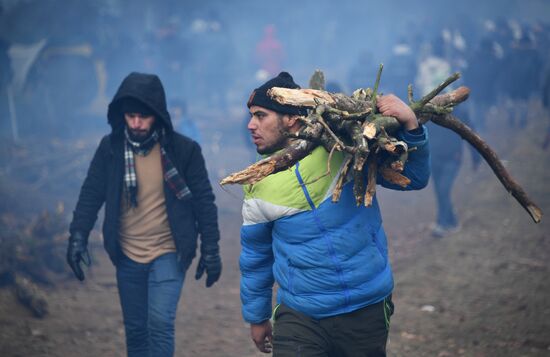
327, 258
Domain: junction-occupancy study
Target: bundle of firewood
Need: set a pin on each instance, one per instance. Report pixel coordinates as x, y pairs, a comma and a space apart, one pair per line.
351, 124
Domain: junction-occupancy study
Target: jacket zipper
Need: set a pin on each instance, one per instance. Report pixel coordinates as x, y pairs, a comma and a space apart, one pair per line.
328, 241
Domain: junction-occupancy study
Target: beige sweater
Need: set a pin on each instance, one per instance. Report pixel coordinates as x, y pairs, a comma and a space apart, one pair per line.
144, 230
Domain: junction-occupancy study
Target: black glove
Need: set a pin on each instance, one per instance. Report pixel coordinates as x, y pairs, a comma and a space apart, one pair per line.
211, 262
78, 252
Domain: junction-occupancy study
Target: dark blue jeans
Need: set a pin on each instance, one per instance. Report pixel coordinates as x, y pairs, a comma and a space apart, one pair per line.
444, 175
149, 295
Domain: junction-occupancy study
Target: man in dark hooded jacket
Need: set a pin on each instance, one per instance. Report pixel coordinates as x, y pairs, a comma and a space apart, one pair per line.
158, 199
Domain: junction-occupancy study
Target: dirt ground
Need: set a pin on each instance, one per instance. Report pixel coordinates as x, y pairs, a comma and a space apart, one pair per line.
481, 292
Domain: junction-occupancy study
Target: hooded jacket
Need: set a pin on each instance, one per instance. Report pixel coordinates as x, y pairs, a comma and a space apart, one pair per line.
327, 258
187, 218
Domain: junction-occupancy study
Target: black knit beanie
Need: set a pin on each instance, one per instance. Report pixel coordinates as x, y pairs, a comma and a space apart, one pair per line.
260, 98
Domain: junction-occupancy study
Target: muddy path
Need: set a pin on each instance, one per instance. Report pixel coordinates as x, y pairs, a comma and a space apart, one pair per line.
483, 291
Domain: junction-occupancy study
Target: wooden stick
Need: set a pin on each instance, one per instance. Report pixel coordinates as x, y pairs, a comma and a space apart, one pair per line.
278, 162
340, 183
371, 181
451, 122
428, 97
375, 89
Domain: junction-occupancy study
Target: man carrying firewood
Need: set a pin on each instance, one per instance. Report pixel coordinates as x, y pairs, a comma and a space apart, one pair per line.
330, 260
158, 199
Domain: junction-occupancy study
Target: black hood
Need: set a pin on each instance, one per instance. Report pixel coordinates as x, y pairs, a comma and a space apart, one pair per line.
148, 89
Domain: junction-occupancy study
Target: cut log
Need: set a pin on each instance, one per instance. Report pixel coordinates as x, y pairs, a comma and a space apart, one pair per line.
301, 97
30, 296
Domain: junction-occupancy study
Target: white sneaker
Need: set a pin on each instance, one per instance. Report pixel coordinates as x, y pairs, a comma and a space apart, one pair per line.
439, 231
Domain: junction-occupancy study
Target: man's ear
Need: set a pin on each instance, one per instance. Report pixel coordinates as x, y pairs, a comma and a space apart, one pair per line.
293, 122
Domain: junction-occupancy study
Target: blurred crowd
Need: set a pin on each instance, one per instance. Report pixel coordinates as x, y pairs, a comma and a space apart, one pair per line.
60, 64
210, 59
503, 61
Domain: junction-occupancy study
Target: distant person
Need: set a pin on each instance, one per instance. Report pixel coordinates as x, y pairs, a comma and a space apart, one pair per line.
182, 122
5, 78
270, 54
330, 260
433, 68
546, 104
446, 152
400, 69
212, 60
484, 66
445, 145
173, 53
520, 79
158, 199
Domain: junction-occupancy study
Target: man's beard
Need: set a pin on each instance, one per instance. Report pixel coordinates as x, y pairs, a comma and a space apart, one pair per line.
281, 143
140, 136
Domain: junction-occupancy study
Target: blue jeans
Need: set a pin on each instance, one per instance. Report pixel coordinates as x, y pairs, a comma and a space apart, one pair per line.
149, 295
444, 175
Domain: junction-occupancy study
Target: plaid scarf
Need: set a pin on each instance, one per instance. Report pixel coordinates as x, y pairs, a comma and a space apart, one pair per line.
171, 175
